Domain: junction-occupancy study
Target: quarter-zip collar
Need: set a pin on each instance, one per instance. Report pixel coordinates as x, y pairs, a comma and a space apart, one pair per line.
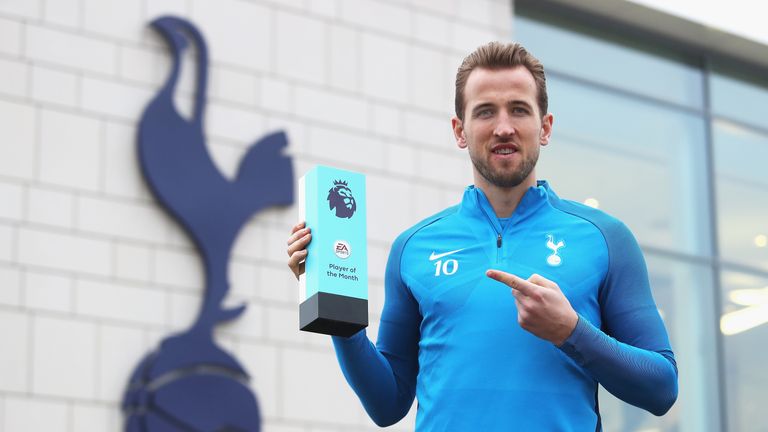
476, 204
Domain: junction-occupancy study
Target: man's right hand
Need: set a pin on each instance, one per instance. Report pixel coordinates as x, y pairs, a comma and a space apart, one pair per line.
297, 248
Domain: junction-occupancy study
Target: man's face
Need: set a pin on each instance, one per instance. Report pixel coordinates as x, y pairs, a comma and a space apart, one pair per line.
502, 127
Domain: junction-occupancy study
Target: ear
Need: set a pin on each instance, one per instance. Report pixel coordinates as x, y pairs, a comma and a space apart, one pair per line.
546, 129
458, 132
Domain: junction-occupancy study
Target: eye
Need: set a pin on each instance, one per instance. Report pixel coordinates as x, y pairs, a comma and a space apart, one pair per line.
484, 113
519, 110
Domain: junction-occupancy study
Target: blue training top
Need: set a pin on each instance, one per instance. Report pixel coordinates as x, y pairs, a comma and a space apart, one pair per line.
449, 334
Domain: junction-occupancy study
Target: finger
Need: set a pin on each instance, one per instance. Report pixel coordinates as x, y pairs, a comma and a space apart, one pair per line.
297, 235
297, 227
514, 282
299, 244
542, 281
296, 262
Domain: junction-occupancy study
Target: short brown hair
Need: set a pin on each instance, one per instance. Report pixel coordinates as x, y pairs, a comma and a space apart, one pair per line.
497, 55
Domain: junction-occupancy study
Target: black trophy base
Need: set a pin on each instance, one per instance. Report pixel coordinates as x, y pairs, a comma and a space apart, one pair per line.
333, 314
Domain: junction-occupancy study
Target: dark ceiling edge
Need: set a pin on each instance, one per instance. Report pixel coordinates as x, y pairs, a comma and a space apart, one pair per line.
627, 17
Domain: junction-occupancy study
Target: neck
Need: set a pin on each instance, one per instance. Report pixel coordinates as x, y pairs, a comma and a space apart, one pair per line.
504, 200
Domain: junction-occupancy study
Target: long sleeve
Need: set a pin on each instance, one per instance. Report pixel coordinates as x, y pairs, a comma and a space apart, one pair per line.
384, 376
630, 355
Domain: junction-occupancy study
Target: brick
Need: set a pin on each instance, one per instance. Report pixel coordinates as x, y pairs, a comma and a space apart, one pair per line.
262, 362
10, 36
62, 12
70, 50
377, 15
328, 399
22, 8
385, 68
116, 99
14, 73
121, 348
64, 252
277, 284
468, 37
11, 195
237, 32
116, 18
120, 219
426, 201
31, 414
353, 150
401, 159
54, 86
432, 29
95, 418
122, 172
386, 120
148, 66
429, 130
438, 7
383, 223
17, 140
64, 358
282, 325
298, 143
50, 207
432, 78
301, 47
250, 324
48, 292
242, 279
241, 125
184, 309
156, 8
180, 269
235, 86
7, 243
331, 107
477, 11
326, 8
14, 363
118, 301
69, 150
344, 58
133, 262
432, 165
275, 95
10, 286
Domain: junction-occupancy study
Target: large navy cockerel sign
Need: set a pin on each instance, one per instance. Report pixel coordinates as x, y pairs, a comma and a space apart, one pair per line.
189, 383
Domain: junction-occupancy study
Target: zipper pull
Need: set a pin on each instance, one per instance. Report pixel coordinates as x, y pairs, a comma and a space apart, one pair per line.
498, 241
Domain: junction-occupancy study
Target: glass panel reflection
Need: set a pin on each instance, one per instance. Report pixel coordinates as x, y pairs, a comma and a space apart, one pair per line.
742, 193
640, 162
739, 99
581, 51
745, 326
684, 294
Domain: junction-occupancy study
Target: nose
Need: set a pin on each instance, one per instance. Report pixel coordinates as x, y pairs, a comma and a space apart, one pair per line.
504, 127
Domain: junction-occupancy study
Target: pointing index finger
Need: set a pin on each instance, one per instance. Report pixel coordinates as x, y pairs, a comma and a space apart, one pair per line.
513, 281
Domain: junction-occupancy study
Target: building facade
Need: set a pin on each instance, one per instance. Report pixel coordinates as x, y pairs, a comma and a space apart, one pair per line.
658, 120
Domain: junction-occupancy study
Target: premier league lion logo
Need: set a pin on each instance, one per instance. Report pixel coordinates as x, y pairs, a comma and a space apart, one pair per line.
340, 198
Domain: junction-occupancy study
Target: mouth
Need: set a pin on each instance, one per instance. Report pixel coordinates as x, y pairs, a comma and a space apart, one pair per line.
504, 149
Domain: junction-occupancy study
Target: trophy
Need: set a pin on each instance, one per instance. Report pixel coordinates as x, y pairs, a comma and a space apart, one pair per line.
334, 287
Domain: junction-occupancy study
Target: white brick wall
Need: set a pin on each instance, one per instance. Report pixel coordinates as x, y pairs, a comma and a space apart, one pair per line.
94, 273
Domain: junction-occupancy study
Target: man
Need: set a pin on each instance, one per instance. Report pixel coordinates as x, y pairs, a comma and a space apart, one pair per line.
506, 311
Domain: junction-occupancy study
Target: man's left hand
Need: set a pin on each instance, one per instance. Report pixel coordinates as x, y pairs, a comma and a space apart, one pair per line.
542, 308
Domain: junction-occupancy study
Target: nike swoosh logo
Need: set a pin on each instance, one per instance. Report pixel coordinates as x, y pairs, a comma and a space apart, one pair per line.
438, 256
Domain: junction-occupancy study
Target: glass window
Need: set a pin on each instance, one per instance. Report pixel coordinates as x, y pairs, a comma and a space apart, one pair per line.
745, 326
581, 51
742, 193
642, 162
741, 99
684, 294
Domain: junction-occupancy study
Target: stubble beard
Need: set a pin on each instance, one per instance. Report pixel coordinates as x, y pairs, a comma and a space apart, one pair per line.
506, 177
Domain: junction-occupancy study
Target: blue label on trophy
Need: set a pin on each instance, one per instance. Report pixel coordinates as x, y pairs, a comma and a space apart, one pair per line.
334, 288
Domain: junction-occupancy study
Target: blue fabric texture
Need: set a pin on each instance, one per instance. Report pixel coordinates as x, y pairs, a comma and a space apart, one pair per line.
449, 335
